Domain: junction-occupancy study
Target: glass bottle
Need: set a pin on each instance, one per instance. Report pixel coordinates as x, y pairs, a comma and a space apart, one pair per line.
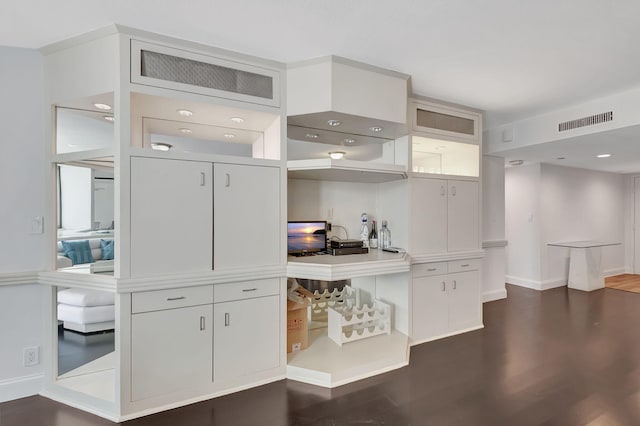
385, 236
373, 236
364, 230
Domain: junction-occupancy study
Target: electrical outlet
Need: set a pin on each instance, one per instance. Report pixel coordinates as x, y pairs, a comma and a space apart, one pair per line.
31, 356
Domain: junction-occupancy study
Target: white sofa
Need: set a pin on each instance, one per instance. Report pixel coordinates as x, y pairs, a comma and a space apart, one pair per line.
86, 311
100, 264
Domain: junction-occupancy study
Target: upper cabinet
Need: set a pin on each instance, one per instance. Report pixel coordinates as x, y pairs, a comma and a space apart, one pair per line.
444, 140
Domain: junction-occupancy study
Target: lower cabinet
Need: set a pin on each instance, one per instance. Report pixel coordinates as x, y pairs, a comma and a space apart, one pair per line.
171, 344
246, 337
446, 299
203, 336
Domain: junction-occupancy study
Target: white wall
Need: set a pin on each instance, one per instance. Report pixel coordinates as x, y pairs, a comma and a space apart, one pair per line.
545, 204
22, 190
493, 229
575, 205
522, 221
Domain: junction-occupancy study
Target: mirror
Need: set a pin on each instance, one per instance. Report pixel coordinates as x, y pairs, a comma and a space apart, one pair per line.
83, 130
86, 341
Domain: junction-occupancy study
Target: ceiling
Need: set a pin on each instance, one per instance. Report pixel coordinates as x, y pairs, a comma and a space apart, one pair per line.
511, 59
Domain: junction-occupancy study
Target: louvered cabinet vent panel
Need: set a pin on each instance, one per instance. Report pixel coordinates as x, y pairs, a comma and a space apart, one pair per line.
440, 121
187, 71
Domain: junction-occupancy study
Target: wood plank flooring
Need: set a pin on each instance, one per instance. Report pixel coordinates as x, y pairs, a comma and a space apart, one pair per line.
626, 282
558, 357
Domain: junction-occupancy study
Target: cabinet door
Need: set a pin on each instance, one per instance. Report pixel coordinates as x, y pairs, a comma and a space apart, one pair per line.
463, 216
171, 216
170, 350
246, 216
428, 216
430, 317
464, 300
246, 337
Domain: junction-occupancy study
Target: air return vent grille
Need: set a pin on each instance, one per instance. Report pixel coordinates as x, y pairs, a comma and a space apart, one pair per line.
586, 121
187, 71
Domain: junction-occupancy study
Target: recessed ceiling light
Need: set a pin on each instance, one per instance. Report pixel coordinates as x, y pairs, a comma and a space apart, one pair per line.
104, 107
108, 118
311, 136
604, 155
229, 135
184, 112
334, 123
185, 130
516, 162
375, 129
237, 119
161, 146
336, 155
349, 140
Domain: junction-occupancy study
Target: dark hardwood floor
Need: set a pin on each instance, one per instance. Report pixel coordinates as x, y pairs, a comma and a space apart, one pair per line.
558, 357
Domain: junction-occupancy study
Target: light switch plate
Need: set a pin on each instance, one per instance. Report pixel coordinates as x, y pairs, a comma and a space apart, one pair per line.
36, 225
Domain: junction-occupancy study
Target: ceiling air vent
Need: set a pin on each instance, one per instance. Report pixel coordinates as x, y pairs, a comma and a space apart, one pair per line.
201, 74
603, 117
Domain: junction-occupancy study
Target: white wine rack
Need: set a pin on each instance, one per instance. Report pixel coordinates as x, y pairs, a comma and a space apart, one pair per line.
321, 302
348, 324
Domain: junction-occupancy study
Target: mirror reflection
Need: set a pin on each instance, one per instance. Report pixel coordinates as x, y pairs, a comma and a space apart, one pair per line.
85, 219
83, 130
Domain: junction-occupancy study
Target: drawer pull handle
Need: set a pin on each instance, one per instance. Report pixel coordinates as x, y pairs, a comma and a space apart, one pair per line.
431, 269
201, 323
202, 179
455, 284
227, 180
444, 286
171, 299
227, 320
466, 265
249, 289
453, 190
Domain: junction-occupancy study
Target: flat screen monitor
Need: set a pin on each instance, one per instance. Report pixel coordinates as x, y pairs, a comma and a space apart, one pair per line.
305, 237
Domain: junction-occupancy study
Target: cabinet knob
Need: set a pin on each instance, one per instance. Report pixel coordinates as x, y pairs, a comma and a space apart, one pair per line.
202, 179
171, 299
227, 180
250, 289
202, 323
444, 286
431, 269
227, 319
455, 284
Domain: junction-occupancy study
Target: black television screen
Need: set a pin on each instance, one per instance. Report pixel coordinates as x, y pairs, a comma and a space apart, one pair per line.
306, 237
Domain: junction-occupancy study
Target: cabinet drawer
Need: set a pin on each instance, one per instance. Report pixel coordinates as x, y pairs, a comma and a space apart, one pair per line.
246, 290
465, 265
427, 269
146, 301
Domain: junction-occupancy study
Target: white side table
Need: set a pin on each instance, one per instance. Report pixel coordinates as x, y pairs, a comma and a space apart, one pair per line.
585, 264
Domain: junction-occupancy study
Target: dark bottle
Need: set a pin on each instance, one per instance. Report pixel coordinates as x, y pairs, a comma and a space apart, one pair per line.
373, 236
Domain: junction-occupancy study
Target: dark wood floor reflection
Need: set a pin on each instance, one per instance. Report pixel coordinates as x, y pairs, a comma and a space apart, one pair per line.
559, 357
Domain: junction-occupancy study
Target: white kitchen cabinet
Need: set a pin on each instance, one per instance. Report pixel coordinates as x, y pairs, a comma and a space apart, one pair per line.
444, 215
246, 216
246, 336
171, 216
171, 350
445, 304
462, 215
428, 232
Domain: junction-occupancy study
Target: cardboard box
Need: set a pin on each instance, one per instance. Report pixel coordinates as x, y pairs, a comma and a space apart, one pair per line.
297, 325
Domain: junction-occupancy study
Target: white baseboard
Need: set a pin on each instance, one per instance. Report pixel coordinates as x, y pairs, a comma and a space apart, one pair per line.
490, 296
616, 271
534, 284
20, 387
